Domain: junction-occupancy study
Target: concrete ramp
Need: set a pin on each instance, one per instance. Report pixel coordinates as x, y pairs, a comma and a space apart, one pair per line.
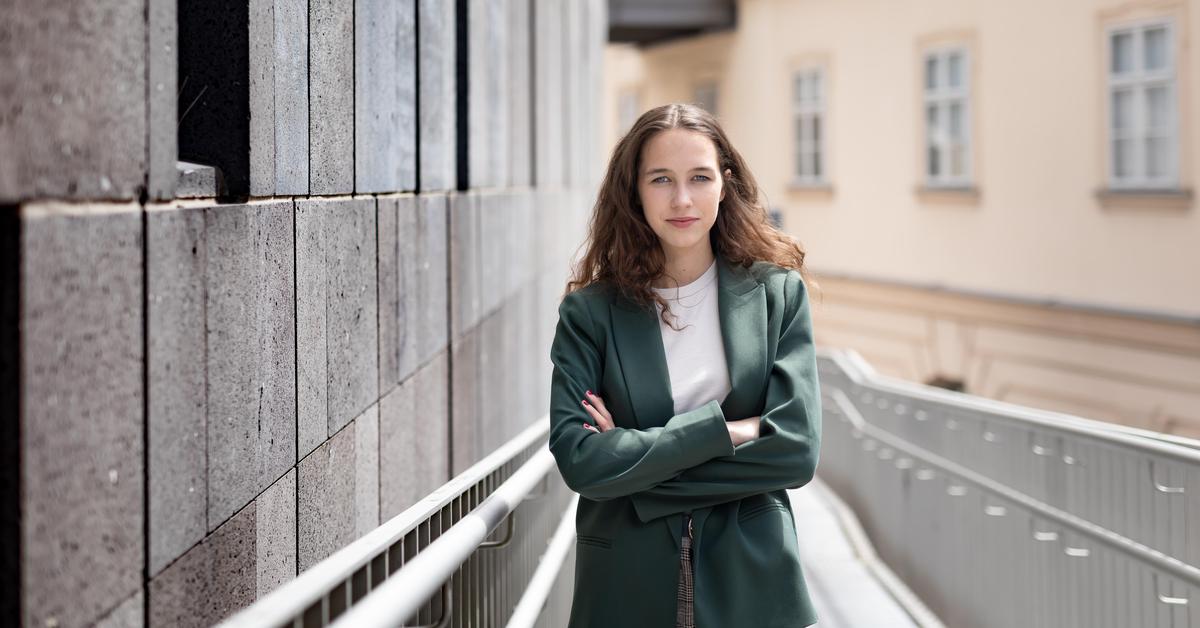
849, 585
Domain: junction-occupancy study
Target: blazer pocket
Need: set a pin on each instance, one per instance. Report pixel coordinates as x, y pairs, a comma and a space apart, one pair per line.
760, 509
594, 541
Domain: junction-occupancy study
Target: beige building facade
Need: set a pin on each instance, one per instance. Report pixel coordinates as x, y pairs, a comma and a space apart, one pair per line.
997, 197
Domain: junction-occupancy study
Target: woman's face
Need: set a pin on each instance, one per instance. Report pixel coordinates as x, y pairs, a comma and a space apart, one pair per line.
680, 188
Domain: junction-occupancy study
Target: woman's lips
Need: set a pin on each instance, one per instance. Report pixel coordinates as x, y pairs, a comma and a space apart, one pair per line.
684, 222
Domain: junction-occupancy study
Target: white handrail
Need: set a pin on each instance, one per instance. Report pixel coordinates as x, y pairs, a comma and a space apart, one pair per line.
289, 601
529, 608
862, 374
407, 590
1147, 555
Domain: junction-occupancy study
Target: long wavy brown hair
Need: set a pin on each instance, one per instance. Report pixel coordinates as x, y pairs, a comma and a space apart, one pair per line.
622, 250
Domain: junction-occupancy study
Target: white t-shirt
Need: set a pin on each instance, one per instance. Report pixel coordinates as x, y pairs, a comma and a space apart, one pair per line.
695, 355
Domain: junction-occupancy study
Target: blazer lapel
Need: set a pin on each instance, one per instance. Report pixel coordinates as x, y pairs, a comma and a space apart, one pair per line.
643, 361
742, 307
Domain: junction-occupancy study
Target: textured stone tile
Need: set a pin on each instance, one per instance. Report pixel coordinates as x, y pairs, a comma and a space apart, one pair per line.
488, 106
275, 534
210, 582
366, 471
391, 286
509, 239
465, 386
492, 249
331, 88
414, 439
406, 93
519, 95
437, 95
433, 425
465, 262
524, 257
530, 355
388, 278
594, 38
551, 283
518, 380
385, 132
72, 117
573, 97
10, 404
291, 97
262, 96
312, 285
326, 504
353, 333
407, 244
398, 273
496, 87
251, 310
175, 257
491, 380
548, 105
81, 410
127, 615
338, 314
163, 63
506, 382
398, 482
518, 232
479, 65
432, 272
549, 229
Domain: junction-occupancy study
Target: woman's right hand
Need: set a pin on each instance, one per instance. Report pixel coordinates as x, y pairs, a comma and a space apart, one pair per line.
599, 412
743, 430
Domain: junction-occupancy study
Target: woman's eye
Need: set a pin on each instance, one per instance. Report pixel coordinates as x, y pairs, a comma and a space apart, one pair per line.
705, 178
659, 179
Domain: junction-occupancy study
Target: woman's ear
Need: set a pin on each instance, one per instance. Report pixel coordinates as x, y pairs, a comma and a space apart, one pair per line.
728, 173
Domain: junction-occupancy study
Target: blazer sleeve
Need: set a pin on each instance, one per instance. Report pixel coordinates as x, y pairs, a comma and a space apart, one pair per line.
785, 454
620, 461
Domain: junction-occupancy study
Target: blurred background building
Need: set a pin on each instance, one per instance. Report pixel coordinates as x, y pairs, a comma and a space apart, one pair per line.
997, 198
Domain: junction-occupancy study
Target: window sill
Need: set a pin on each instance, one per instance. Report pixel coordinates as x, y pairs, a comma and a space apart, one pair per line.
964, 195
198, 181
810, 191
1144, 199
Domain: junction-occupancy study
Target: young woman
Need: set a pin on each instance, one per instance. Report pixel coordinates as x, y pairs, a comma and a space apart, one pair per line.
684, 398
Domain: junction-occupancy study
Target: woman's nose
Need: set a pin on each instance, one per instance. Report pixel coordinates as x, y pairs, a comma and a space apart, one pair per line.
681, 198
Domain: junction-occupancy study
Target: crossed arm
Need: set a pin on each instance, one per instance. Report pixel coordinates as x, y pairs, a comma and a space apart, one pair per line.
691, 462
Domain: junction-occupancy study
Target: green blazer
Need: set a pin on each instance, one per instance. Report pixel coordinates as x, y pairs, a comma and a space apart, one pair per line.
636, 481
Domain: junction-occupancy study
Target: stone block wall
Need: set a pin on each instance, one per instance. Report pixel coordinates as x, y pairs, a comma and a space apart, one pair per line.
208, 388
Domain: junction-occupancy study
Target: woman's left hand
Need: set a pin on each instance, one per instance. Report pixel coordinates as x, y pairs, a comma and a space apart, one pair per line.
595, 406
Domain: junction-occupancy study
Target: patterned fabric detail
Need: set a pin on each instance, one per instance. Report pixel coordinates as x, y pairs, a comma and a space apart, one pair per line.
684, 609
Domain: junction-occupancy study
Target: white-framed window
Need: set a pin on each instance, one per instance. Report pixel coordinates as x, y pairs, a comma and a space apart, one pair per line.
808, 126
1143, 125
705, 96
947, 114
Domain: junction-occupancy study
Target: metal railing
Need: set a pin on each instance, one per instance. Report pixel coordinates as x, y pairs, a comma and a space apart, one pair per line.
434, 564
1001, 515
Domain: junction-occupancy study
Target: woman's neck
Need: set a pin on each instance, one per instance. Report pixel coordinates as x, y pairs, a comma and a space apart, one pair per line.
684, 267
